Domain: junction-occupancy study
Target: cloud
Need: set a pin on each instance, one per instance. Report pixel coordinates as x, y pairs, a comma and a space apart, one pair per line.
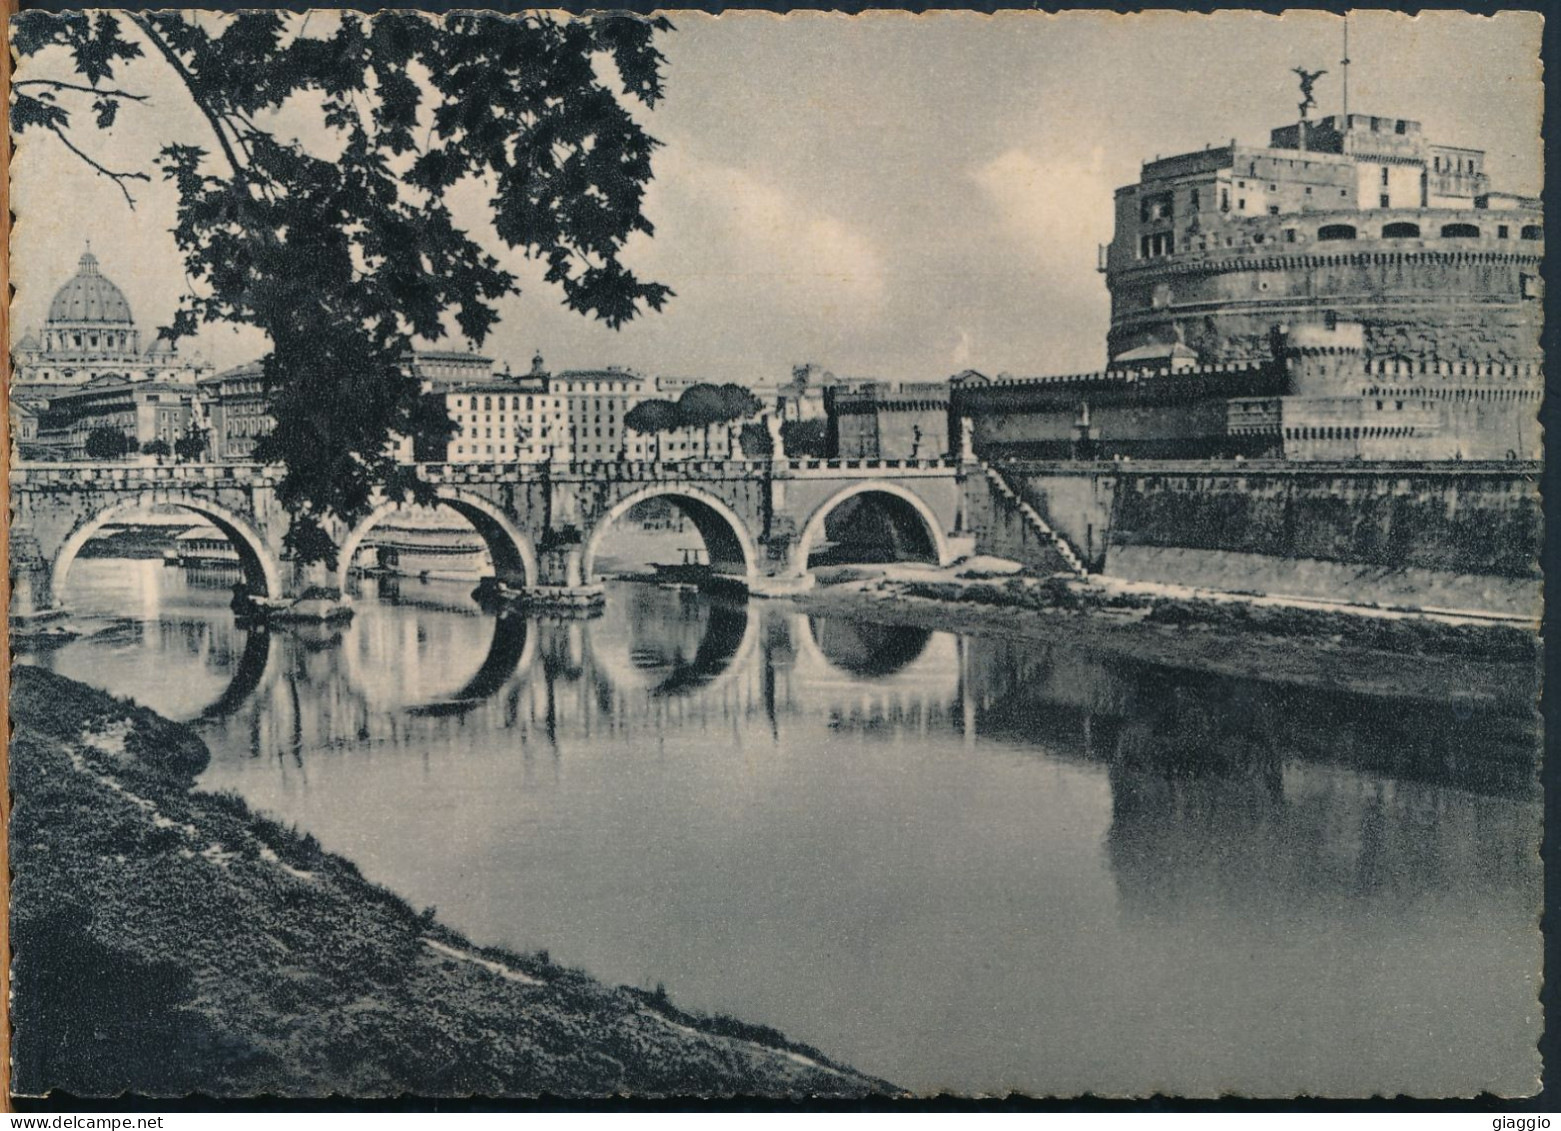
783, 248
1059, 206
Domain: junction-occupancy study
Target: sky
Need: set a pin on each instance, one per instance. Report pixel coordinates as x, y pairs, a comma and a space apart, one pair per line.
886, 195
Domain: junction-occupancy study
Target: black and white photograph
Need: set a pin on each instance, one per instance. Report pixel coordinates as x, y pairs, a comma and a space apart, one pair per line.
799, 557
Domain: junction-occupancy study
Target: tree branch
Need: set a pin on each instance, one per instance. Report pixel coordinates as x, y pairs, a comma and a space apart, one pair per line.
56, 84
119, 179
191, 85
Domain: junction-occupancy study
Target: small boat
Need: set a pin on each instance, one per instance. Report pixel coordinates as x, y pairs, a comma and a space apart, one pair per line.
690, 572
42, 639
491, 593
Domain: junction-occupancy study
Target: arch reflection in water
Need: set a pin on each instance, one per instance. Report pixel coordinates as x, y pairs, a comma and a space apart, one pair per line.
865, 649
163, 636
508, 653
669, 642
254, 665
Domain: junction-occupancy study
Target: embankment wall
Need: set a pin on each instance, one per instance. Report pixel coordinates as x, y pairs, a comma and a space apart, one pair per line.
1450, 535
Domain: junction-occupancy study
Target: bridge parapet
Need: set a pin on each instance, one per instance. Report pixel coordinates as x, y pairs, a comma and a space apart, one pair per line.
131, 475
622, 471
867, 468
1296, 468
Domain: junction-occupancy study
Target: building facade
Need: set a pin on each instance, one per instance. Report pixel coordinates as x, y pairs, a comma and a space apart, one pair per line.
575, 415
233, 408
143, 411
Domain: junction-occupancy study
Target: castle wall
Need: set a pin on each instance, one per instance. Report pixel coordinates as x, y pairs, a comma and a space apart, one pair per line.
1453, 298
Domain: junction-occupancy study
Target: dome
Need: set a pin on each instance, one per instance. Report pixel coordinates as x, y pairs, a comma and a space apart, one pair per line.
89, 297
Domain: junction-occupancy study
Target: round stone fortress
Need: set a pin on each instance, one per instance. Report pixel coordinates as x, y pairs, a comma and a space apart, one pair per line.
1215, 251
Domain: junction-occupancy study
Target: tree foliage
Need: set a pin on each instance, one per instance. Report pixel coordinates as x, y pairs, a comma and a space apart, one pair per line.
156, 448
653, 415
805, 439
106, 442
703, 405
754, 439
345, 256
700, 406
652, 418
191, 446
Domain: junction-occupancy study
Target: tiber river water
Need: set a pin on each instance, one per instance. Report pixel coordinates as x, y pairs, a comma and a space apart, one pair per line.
955, 862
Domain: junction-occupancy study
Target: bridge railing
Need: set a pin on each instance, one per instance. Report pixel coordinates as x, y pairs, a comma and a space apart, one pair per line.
128, 473
869, 465
1271, 467
115, 473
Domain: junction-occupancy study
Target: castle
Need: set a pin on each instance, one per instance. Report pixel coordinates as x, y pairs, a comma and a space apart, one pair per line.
1349, 291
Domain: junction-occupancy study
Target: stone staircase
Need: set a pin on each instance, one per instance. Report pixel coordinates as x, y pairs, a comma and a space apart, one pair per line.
1033, 518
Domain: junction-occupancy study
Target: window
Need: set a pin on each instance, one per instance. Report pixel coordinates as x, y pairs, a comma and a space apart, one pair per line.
1382, 201
1501, 231
1533, 232
1460, 232
1241, 204
1336, 232
1156, 208
1398, 127
1401, 230
1384, 176
1273, 210
1224, 200
1193, 199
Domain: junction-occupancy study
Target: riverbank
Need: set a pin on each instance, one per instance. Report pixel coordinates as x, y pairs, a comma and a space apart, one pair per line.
170, 941
1371, 652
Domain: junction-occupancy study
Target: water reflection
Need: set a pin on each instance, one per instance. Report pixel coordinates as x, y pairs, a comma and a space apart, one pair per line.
971, 862
868, 650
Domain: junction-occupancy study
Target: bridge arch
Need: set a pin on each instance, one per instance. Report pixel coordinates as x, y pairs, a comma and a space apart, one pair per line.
262, 572
728, 641
514, 557
907, 503
726, 536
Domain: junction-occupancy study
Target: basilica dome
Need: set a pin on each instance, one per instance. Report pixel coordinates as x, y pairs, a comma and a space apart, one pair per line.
90, 298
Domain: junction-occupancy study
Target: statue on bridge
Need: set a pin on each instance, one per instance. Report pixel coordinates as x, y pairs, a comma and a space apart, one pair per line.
772, 425
966, 449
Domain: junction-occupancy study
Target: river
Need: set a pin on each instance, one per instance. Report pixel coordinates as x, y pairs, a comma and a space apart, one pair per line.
954, 862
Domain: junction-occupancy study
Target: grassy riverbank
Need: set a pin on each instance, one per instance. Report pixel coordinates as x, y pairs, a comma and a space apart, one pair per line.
169, 941
1372, 652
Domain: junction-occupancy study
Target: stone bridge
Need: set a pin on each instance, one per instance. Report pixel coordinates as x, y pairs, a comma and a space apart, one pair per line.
761, 520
